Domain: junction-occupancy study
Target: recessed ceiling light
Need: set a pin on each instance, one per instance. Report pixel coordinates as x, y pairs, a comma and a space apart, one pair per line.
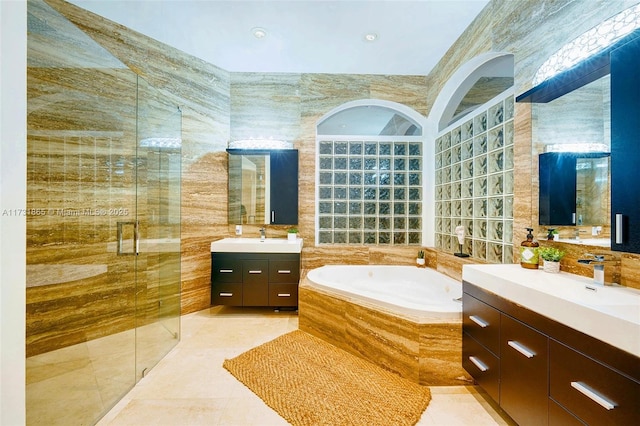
259, 32
371, 37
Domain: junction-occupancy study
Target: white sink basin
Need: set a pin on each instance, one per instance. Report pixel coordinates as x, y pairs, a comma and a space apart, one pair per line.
255, 245
608, 313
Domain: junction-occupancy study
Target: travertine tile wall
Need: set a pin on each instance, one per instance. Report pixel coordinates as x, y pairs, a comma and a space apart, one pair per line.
218, 105
202, 91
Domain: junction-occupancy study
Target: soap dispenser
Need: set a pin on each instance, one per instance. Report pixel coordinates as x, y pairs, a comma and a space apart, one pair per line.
529, 252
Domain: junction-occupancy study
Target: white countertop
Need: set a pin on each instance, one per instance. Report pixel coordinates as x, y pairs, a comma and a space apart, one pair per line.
610, 313
255, 245
597, 242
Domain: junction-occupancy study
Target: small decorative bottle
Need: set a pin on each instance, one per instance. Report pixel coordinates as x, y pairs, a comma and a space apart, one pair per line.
550, 235
529, 252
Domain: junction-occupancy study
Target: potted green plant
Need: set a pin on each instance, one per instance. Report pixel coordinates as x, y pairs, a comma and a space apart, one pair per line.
551, 257
292, 234
420, 259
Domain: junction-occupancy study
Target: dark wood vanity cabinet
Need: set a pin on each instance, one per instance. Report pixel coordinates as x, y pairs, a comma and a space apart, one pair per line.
481, 344
596, 393
523, 372
255, 279
255, 282
542, 372
507, 358
625, 147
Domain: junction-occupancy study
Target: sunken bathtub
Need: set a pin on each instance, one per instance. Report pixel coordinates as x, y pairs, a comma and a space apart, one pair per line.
402, 318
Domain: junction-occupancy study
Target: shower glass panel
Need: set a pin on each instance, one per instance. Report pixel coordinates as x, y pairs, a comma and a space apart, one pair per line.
158, 208
103, 250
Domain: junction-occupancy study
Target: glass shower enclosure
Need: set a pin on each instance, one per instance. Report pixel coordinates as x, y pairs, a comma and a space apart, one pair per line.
103, 224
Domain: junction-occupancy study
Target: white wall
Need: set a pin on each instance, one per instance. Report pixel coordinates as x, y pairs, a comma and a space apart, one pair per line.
13, 189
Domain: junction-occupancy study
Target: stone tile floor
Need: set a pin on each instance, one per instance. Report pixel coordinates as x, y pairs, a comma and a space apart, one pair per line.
190, 387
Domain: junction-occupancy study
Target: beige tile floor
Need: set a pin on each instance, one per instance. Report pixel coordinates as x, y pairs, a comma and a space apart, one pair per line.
190, 387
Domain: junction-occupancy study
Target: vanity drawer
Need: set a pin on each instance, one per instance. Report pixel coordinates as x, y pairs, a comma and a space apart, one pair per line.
284, 271
524, 366
255, 271
558, 416
482, 365
226, 294
283, 294
482, 322
592, 391
225, 269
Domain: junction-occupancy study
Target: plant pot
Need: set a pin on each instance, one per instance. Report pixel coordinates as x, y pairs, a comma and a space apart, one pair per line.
420, 262
292, 237
552, 267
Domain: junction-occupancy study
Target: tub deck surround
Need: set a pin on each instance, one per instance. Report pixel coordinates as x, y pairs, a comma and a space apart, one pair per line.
416, 346
450, 265
610, 313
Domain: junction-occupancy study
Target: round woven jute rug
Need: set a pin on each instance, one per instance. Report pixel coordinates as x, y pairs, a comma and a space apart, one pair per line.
311, 382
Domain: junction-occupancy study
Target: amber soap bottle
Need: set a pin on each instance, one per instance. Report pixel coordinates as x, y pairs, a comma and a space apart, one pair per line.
529, 252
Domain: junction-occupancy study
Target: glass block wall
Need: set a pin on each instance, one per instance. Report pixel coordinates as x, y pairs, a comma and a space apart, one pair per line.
369, 192
474, 183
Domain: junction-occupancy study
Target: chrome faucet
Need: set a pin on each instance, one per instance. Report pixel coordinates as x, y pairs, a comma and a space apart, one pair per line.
263, 234
597, 261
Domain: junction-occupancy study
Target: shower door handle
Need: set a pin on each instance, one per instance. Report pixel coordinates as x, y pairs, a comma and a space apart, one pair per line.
120, 240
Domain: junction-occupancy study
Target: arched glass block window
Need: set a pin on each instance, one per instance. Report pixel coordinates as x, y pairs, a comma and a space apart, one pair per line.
369, 175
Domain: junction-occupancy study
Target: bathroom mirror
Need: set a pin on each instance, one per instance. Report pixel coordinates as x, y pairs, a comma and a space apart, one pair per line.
263, 187
590, 107
572, 141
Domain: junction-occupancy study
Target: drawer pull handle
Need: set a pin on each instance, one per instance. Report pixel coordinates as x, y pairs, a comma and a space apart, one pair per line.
255, 272
522, 349
226, 294
226, 271
481, 365
284, 294
593, 395
482, 323
284, 271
